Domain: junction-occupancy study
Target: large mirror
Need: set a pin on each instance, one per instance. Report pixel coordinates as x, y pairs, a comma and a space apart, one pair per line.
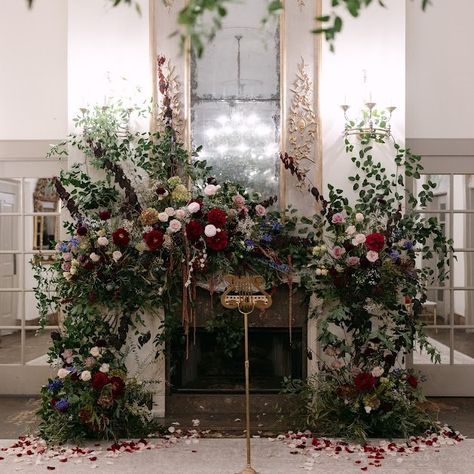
235, 99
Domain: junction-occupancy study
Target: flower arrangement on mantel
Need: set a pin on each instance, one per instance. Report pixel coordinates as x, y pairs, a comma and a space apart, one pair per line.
364, 268
153, 225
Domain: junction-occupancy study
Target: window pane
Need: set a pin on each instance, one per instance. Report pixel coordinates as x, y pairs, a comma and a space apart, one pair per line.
36, 347
10, 308
464, 346
438, 338
441, 191
10, 346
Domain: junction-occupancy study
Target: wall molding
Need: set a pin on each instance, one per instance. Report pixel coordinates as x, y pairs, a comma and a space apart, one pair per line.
25, 150
441, 146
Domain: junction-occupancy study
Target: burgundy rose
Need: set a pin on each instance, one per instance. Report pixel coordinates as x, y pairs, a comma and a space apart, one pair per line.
81, 230
99, 380
364, 381
104, 215
118, 386
218, 242
375, 242
412, 380
160, 191
154, 239
194, 229
217, 217
121, 237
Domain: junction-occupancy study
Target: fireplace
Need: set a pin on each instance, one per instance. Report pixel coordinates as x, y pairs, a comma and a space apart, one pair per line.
212, 369
214, 363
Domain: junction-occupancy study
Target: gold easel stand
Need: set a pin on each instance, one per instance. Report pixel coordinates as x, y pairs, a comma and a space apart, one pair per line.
245, 294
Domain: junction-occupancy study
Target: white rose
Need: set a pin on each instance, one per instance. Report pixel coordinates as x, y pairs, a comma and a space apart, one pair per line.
367, 409
73, 270
63, 373
94, 257
85, 376
95, 351
103, 241
211, 189
67, 275
377, 371
358, 239
175, 225
194, 207
210, 230
163, 217
117, 255
324, 272
104, 368
351, 230
359, 217
170, 211
180, 214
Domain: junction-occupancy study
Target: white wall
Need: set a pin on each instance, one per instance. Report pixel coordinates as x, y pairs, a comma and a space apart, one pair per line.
108, 53
375, 42
440, 70
33, 70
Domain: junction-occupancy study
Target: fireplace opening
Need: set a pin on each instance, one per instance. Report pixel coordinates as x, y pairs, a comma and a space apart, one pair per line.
212, 367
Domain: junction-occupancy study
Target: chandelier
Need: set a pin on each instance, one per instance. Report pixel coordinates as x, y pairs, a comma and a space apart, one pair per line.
372, 123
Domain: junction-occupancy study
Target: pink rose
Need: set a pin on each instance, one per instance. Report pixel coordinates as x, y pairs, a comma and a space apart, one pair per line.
260, 210
239, 201
211, 189
352, 261
358, 239
338, 252
66, 266
372, 256
67, 257
175, 225
355, 371
194, 207
337, 218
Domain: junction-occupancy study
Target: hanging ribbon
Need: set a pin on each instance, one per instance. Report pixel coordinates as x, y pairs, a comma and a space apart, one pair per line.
290, 299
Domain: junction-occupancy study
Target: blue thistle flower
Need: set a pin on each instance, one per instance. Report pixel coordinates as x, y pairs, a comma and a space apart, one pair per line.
55, 385
61, 405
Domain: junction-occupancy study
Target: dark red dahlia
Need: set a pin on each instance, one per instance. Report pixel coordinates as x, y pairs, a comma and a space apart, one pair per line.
412, 380
154, 239
364, 381
375, 242
104, 215
118, 386
121, 237
218, 242
194, 229
160, 190
217, 217
81, 230
99, 380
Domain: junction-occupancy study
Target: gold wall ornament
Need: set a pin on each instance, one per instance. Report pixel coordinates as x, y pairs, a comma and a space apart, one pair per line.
302, 120
174, 94
245, 294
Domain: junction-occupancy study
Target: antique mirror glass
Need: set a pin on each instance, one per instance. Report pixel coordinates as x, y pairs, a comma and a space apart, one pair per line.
235, 97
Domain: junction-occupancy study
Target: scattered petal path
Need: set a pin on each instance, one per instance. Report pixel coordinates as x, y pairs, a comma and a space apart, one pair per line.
34, 451
368, 455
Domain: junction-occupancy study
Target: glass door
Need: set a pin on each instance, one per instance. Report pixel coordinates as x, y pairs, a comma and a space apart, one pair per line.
449, 311
29, 225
